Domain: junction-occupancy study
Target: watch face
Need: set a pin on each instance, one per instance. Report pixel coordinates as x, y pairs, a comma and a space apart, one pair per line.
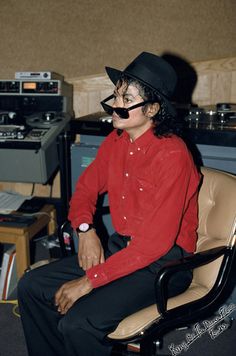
84, 227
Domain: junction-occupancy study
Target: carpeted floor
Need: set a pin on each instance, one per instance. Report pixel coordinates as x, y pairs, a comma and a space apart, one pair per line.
11, 333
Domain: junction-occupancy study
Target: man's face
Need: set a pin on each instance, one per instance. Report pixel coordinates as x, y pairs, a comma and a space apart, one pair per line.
138, 121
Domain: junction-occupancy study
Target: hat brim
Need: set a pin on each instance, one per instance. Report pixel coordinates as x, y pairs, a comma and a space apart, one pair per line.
115, 75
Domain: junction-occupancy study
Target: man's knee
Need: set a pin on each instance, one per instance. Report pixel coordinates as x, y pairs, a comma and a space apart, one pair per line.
27, 285
71, 324
68, 325
65, 327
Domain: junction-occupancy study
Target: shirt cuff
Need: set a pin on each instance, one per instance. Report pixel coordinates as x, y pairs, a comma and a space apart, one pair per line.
75, 223
97, 276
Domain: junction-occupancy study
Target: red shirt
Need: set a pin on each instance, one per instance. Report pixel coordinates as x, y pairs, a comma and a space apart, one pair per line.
152, 185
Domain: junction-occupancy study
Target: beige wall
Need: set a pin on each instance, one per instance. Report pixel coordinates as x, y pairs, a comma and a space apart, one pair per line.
80, 37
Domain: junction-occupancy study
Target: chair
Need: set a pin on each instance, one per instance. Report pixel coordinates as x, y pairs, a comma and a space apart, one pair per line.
212, 266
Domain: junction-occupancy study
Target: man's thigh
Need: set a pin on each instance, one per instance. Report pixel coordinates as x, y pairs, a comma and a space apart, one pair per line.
46, 280
106, 306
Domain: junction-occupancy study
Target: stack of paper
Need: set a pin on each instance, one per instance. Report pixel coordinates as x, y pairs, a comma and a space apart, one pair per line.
8, 276
11, 201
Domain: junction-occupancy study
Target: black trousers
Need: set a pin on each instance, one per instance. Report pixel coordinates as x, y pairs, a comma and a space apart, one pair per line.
82, 330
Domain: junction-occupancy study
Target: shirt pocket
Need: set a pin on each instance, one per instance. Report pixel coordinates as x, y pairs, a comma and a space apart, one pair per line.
146, 193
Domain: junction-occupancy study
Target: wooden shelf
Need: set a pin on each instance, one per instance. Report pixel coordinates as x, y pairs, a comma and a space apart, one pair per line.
21, 236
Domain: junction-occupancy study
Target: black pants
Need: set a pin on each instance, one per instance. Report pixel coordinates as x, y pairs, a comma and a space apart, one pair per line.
82, 330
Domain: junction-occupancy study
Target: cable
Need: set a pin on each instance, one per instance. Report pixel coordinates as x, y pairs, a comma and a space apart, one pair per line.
32, 190
15, 303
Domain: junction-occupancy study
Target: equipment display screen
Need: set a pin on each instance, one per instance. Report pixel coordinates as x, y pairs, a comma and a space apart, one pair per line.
42, 87
29, 85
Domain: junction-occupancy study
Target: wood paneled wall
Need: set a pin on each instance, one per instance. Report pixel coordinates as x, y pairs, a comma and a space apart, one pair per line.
216, 82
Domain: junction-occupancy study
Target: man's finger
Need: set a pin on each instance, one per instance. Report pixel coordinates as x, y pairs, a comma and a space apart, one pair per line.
67, 307
95, 261
102, 258
58, 296
82, 262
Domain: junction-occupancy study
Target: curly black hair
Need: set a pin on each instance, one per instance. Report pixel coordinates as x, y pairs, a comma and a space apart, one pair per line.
164, 123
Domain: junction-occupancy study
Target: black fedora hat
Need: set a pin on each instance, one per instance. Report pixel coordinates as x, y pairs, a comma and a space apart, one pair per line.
151, 70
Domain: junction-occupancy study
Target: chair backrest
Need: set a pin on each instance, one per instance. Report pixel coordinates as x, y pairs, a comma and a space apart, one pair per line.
217, 219
217, 224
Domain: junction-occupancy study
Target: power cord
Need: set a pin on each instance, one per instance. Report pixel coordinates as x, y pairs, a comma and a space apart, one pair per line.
15, 306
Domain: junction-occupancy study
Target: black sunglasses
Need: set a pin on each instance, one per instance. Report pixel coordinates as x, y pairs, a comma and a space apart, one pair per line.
123, 113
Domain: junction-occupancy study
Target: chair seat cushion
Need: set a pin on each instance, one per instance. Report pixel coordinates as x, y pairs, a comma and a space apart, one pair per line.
136, 323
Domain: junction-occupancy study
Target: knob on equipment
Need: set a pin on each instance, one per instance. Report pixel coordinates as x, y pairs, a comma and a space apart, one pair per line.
48, 116
12, 115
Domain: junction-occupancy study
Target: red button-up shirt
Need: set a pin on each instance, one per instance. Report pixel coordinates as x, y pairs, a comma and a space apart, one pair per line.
152, 186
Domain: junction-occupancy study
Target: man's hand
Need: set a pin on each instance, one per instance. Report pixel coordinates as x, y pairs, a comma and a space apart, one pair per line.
90, 250
71, 291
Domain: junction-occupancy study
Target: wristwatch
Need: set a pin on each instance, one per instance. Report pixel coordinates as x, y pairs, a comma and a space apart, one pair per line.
84, 227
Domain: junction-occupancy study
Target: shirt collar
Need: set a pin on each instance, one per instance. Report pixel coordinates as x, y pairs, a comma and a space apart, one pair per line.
143, 142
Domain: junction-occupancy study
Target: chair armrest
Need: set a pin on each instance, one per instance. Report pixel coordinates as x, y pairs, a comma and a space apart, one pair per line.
187, 263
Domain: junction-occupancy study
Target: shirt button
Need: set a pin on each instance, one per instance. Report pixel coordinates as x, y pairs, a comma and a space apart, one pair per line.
126, 174
141, 189
125, 217
95, 276
123, 197
131, 153
139, 148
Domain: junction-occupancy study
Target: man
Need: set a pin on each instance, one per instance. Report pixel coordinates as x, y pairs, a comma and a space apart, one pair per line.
68, 307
